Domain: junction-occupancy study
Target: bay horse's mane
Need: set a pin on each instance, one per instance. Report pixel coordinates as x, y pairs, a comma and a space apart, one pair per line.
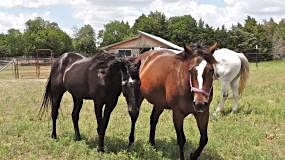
197, 49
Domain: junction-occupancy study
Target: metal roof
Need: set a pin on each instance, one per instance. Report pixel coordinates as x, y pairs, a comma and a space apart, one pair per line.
141, 33
171, 45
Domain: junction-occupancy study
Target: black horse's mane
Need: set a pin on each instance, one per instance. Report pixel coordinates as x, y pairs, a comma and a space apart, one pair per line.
103, 60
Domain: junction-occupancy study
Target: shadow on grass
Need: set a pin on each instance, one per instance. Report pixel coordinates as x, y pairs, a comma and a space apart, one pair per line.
143, 150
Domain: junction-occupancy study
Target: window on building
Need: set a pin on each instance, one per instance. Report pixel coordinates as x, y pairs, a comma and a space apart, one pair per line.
125, 52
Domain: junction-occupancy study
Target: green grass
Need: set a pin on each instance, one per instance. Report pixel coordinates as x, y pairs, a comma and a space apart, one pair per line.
255, 132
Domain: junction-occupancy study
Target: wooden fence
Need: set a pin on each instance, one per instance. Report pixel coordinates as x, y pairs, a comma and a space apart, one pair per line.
258, 57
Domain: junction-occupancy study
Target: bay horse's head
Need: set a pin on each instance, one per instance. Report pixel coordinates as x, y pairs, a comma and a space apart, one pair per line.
131, 83
201, 74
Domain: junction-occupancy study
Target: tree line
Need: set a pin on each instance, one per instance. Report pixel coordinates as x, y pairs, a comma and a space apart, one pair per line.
269, 35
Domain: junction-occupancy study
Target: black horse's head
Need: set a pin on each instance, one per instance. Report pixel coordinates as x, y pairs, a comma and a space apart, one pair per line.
131, 83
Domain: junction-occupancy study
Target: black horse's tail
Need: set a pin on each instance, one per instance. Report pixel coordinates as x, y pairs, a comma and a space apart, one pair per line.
46, 98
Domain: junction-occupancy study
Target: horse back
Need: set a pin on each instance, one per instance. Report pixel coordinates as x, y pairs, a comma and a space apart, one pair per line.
162, 78
91, 77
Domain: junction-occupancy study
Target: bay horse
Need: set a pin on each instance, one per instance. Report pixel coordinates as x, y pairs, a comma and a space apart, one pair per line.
231, 70
181, 82
98, 78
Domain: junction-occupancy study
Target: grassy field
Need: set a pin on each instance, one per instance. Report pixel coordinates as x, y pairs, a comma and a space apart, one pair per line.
257, 131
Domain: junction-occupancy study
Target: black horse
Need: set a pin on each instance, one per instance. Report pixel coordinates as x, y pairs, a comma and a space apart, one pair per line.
100, 78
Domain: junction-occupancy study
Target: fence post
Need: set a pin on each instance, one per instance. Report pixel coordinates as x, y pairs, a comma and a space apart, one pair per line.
256, 59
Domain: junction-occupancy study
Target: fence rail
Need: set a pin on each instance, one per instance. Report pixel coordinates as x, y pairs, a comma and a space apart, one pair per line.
258, 57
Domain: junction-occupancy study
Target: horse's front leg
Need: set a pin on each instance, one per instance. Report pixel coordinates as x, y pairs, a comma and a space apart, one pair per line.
134, 113
98, 106
109, 107
156, 112
178, 124
202, 120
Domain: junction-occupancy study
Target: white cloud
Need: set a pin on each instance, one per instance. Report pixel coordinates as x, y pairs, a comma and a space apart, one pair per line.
99, 12
17, 21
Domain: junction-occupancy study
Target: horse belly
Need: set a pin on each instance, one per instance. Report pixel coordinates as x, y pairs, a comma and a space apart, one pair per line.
155, 97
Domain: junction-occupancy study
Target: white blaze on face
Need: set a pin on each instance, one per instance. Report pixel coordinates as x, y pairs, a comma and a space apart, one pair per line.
200, 69
131, 80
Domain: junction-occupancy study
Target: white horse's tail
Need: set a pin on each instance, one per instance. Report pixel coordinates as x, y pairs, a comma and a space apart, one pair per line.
244, 72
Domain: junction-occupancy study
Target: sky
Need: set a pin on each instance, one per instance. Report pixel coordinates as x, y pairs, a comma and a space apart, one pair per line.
76, 13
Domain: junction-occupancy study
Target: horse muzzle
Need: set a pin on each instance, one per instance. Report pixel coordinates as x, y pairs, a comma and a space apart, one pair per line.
200, 106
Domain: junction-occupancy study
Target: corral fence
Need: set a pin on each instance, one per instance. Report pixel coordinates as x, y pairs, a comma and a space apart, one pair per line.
258, 57
37, 66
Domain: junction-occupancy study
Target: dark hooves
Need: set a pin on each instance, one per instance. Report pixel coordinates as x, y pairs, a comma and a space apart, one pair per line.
101, 149
193, 157
53, 136
77, 138
130, 146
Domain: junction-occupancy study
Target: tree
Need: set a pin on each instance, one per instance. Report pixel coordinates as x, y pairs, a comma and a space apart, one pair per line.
182, 30
40, 33
155, 23
84, 40
3, 46
113, 32
14, 42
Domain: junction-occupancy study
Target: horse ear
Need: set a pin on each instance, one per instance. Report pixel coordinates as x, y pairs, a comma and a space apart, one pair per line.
137, 65
188, 49
213, 48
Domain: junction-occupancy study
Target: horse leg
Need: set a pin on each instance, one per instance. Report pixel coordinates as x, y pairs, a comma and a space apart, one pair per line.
134, 116
234, 86
98, 106
56, 99
202, 120
75, 116
224, 95
109, 107
178, 124
156, 112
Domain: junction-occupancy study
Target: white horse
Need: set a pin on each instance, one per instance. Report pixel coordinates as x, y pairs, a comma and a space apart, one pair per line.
231, 66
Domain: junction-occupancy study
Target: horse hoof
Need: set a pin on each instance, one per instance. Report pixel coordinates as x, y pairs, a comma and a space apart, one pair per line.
77, 138
193, 157
130, 146
53, 136
100, 149
152, 143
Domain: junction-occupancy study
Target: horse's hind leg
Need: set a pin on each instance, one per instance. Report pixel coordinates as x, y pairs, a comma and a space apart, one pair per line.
234, 87
156, 112
75, 116
56, 99
224, 95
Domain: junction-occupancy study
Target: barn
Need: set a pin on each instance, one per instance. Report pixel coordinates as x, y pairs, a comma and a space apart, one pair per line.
136, 45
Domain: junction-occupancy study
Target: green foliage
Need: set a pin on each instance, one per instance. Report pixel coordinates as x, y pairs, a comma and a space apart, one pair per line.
269, 36
182, 29
39, 33
154, 23
84, 40
113, 32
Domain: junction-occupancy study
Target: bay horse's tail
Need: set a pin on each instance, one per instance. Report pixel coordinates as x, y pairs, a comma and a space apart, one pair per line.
244, 72
46, 98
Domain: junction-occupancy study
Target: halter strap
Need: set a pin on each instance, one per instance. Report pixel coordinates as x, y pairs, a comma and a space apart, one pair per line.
197, 90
